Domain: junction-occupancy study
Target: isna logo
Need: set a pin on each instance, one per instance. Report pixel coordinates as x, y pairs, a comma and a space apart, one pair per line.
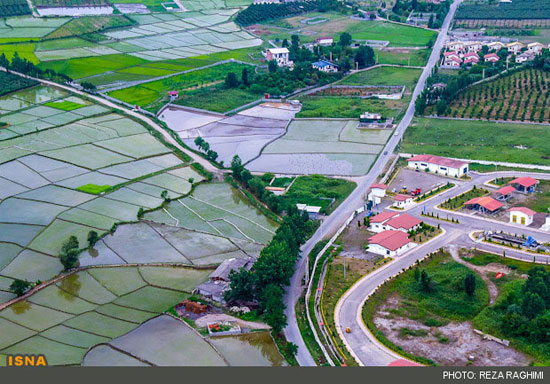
26, 361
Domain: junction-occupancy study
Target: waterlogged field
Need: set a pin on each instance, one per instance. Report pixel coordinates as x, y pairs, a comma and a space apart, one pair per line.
66, 319
68, 167
329, 147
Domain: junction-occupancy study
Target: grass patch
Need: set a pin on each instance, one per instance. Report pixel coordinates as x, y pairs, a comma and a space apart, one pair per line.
447, 301
485, 168
479, 140
417, 57
319, 190
64, 105
348, 107
397, 34
217, 99
384, 76
480, 258
94, 189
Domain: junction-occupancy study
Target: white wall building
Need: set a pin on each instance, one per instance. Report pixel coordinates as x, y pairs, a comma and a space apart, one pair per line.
377, 192
402, 201
440, 165
390, 243
280, 55
521, 215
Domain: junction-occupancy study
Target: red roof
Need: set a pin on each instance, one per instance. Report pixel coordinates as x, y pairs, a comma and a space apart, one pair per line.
524, 210
472, 54
379, 186
401, 197
403, 363
404, 221
438, 160
506, 190
471, 60
456, 59
381, 217
324, 38
486, 202
453, 53
525, 182
492, 56
392, 240
173, 93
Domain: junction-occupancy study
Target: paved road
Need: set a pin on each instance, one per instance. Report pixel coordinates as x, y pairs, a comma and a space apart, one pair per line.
100, 100
363, 346
355, 200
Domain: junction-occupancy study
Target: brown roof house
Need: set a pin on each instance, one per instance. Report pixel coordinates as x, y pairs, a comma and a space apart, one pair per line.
218, 281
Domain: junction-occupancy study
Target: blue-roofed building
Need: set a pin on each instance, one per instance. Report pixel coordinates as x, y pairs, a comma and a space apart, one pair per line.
325, 66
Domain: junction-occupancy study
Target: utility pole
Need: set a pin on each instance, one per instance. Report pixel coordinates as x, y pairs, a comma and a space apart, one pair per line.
344, 266
409, 63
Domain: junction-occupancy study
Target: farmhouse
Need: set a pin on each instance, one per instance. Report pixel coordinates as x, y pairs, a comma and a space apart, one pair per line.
457, 46
280, 55
277, 191
218, 281
514, 47
484, 204
312, 211
402, 201
473, 46
524, 184
390, 243
324, 41
491, 57
521, 215
368, 117
437, 164
504, 193
535, 47
325, 66
377, 192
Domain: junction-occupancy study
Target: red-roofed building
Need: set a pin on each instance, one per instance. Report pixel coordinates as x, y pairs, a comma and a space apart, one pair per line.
173, 95
403, 223
484, 204
402, 201
521, 215
524, 184
377, 192
437, 164
324, 41
504, 193
390, 243
491, 57
377, 222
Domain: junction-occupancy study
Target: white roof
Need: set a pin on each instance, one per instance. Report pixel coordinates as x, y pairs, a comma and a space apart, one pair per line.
308, 208
277, 50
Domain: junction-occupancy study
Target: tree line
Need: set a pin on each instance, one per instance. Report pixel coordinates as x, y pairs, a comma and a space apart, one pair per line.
26, 67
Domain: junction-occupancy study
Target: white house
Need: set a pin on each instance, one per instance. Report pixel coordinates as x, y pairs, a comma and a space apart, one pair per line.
312, 211
325, 66
546, 225
324, 41
535, 47
457, 46
403, 222
377, 223
496, 45
377, 192
402, 201
452, 61
437, 164
473, 46
521, 215
390, 243
280, 55
514, 47
525, 56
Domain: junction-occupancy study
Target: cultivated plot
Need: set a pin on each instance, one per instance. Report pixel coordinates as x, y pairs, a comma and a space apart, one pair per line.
329, 147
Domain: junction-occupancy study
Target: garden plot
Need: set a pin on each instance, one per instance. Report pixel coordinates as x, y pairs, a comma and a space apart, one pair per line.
329, 147
32, 266
106, 356
245, 133
64, 320
135, 146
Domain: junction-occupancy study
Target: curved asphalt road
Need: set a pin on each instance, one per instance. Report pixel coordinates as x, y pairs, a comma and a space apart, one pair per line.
355, 200
361, 343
